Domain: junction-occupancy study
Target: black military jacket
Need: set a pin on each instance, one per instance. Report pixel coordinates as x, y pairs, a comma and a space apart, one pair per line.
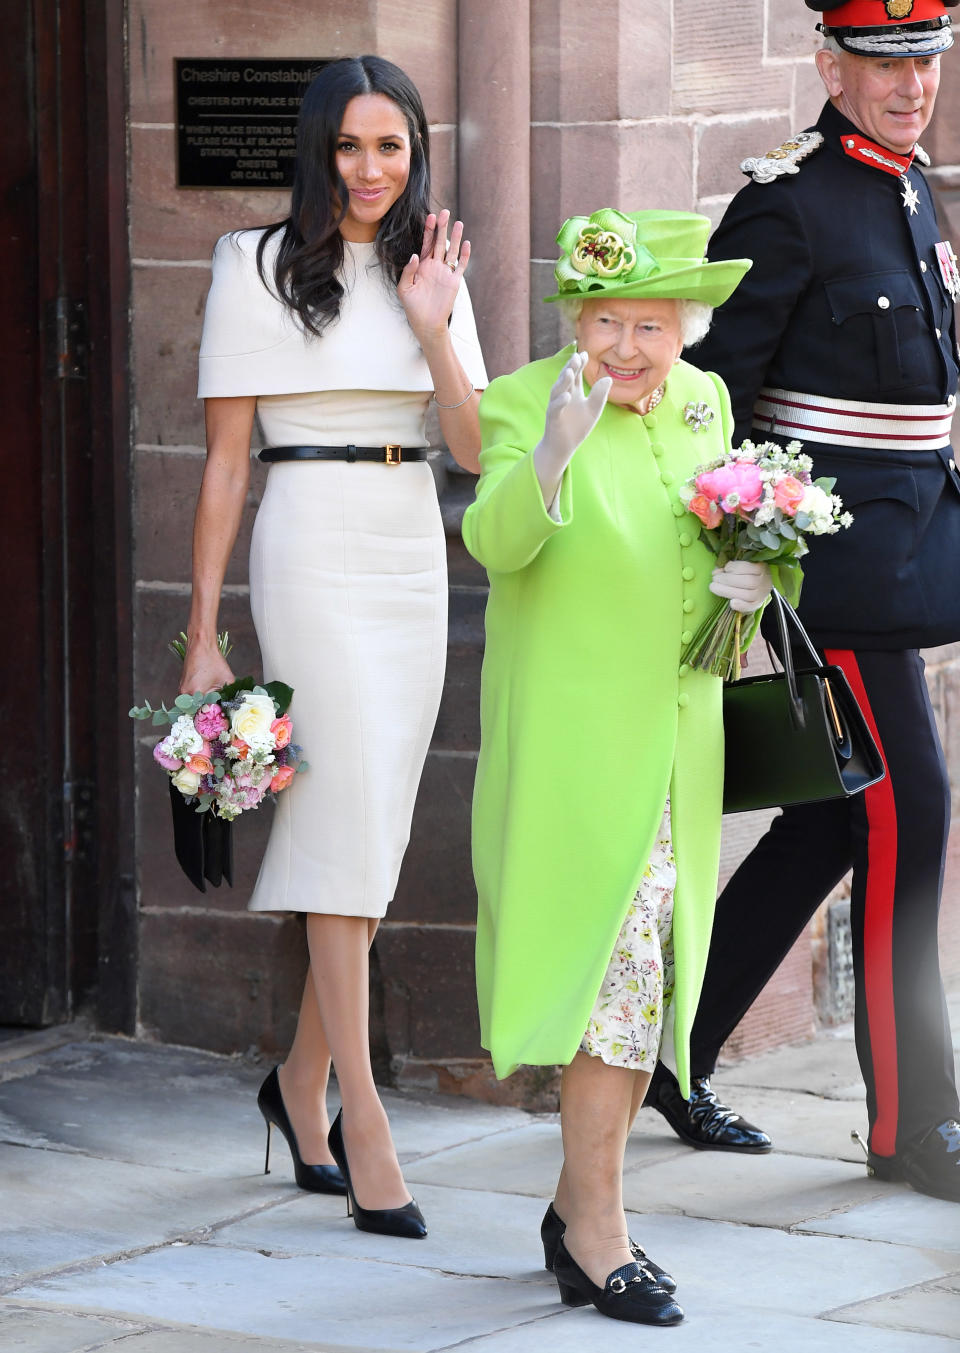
827, 243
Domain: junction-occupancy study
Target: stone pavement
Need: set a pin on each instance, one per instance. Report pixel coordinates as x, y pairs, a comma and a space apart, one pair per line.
134, 1218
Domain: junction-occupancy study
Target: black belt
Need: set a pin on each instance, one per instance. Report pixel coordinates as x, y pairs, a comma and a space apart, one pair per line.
385, 455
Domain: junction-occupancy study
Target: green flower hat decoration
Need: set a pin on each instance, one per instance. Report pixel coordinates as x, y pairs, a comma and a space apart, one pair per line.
641, 254
599, 248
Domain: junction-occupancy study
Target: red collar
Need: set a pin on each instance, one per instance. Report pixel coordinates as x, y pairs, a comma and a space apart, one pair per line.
864, 151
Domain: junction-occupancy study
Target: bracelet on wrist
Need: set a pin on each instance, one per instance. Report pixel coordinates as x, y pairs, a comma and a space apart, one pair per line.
463, 401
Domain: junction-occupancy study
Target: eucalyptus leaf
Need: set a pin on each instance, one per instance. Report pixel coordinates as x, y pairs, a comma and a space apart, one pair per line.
185, 702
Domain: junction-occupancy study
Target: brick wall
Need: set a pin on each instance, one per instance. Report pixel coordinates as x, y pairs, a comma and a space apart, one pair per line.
628, 104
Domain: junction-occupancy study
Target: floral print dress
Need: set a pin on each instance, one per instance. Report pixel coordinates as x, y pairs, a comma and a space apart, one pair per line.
626, 1024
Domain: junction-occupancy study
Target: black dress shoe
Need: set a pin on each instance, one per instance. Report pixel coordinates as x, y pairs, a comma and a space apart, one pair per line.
316, 1178
630, 1293
933, 1166
702, 1121
406, 1221
551, 1233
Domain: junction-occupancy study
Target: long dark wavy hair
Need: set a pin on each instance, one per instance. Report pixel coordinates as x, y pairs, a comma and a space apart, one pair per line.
311, 246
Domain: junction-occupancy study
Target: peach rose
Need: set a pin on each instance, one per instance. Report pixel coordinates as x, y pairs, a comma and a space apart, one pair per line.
708, 512
282, 730
200, 763
282, 778
788, 494
240, 747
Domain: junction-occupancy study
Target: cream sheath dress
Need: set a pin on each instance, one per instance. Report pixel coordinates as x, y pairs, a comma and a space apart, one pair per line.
347, 567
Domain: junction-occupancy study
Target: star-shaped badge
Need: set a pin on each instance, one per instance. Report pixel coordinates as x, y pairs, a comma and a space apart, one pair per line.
911, 198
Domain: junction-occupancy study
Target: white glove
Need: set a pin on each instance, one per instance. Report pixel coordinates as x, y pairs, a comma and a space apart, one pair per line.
745, 585
571, 417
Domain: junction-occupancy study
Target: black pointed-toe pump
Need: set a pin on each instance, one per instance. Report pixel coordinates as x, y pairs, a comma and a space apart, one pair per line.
406, 1221
316, 1178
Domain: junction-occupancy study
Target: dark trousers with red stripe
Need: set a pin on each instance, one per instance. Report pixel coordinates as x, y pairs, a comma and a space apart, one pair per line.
894, 837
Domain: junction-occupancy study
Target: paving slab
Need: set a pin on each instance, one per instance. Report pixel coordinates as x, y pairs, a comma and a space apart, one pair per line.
932, 1308
827, 1066
776, 1190
32, 1329
340, 1302
900, 1216
584, 1331
61, 1208
721, 1266
470, 1233
207, 1105
526, 1159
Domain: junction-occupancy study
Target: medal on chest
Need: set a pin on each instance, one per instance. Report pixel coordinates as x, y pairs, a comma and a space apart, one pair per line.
949, 270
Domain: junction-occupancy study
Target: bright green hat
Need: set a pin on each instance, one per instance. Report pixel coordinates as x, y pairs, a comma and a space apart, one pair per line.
641, 254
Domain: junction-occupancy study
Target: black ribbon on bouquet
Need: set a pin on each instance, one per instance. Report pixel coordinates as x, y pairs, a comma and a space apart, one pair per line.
202, 842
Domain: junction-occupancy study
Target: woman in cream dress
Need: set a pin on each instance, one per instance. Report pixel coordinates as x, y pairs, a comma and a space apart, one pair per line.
335, 335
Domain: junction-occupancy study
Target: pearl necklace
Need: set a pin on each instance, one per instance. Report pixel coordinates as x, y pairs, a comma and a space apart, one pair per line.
655, 399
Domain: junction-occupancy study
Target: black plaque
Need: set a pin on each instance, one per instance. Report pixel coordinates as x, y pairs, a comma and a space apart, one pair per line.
236, 120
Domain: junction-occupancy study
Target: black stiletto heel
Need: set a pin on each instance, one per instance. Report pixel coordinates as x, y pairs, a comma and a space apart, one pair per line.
551, 1233
630, 1293
406, 1221
315, 1178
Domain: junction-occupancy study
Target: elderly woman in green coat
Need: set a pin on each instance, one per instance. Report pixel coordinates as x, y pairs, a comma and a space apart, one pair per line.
597, 808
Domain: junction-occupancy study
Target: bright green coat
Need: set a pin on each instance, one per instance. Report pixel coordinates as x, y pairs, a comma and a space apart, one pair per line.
588, 719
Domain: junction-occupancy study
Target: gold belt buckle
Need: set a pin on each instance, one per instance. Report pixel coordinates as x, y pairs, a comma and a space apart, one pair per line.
393, 454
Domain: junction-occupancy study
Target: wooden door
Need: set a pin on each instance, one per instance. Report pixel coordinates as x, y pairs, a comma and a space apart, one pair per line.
63, 888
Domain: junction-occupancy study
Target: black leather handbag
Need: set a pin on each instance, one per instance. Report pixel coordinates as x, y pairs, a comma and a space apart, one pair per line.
796, 736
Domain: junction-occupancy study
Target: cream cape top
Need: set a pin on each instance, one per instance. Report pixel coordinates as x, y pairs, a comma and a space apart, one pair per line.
253, 344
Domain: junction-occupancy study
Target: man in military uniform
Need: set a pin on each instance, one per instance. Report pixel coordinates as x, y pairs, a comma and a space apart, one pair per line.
843, 337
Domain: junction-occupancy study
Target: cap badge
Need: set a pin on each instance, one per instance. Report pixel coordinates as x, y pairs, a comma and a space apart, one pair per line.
784, 159
899, 9
698, 416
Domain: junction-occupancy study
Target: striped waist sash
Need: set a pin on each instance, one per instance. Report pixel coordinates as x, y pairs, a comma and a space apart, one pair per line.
848, 422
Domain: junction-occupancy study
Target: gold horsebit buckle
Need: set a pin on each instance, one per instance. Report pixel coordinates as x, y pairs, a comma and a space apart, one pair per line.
393, 454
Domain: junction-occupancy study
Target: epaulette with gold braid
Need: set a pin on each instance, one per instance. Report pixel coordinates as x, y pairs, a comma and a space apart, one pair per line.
785, 159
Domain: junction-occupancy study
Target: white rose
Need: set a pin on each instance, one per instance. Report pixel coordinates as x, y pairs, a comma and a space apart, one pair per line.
187, 781
252, 720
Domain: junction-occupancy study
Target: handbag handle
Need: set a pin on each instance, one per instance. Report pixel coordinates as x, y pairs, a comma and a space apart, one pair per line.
784, 610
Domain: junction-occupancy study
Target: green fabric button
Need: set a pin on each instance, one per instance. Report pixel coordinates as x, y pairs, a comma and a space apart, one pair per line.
683, 700
686, 636
649, 420
688, 574
666, 477
678, 509
657, 448
684, 669
685, 538
687, 606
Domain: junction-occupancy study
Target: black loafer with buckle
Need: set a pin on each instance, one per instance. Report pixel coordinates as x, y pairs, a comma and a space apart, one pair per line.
551, 1233
630, 1293
702, 1121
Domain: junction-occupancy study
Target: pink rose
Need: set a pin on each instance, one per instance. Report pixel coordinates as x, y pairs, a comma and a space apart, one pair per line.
788, 494
162, 758
209, 722
282, 778
708, 512
716, 484
282, 730
749, 486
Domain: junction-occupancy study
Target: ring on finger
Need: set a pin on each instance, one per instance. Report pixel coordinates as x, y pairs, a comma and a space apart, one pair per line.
451, 265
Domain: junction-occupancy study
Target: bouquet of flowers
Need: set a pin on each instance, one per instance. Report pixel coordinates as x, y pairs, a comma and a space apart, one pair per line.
757, 503
227, 749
